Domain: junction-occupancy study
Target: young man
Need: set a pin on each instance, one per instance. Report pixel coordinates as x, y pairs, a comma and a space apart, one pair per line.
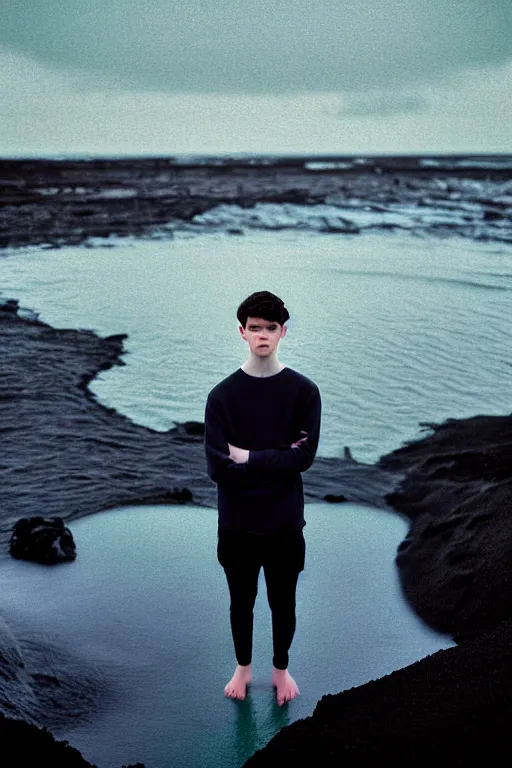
262, 426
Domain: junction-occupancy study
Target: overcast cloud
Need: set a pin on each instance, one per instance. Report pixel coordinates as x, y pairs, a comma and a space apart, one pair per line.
208, 76
261, 46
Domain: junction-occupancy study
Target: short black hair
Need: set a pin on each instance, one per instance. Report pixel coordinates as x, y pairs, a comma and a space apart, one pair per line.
265, 305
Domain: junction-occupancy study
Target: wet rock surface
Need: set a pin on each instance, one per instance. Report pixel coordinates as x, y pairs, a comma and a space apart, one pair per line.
66, 202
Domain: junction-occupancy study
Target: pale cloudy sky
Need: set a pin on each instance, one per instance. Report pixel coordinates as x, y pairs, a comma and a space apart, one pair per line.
114, 77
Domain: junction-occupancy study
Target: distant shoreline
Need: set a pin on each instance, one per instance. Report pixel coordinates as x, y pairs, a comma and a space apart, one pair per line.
57, 202
388, 161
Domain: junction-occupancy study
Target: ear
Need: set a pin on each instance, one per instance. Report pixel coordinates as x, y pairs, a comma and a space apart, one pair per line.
283, 331
242, 331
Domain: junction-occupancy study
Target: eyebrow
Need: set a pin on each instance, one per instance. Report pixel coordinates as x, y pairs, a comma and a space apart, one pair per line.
257, 325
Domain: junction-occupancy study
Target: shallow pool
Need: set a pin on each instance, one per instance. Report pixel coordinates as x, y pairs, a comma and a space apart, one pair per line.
147, 600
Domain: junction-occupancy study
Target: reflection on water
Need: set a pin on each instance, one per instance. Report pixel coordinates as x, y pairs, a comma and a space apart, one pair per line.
246, 737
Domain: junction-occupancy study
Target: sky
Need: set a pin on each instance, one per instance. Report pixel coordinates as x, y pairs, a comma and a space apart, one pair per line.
167, 77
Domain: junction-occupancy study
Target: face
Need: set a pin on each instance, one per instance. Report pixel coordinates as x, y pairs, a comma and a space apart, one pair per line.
263, 336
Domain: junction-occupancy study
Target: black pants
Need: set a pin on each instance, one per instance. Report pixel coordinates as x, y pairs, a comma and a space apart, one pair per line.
282, 556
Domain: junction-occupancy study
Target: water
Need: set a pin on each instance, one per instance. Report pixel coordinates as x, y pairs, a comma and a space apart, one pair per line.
147, 600
394, 329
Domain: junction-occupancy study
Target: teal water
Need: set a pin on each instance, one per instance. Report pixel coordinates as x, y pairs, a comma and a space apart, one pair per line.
147, 600
394, 329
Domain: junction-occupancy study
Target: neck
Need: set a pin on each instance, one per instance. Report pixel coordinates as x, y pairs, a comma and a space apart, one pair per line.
262, 367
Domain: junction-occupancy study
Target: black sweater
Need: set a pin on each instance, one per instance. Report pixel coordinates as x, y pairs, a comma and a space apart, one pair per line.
265, 416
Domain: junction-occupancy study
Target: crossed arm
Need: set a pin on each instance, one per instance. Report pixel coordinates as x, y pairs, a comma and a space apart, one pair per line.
241, 455
239, 467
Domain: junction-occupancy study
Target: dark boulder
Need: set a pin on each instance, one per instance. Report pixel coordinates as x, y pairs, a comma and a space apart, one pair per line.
42, 539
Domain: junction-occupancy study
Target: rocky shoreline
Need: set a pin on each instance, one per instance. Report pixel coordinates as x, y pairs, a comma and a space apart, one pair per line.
67, 202
65, 454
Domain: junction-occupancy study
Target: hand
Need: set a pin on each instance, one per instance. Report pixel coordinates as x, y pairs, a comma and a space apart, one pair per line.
238, 455
303, 432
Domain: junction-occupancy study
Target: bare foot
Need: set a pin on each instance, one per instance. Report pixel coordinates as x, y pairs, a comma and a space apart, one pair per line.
285, 684
237, 686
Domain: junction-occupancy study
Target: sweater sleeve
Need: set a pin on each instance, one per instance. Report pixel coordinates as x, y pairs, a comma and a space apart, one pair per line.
281, 461
220, 467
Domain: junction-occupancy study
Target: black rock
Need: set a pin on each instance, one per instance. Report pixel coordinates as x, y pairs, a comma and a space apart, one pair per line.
42, 539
